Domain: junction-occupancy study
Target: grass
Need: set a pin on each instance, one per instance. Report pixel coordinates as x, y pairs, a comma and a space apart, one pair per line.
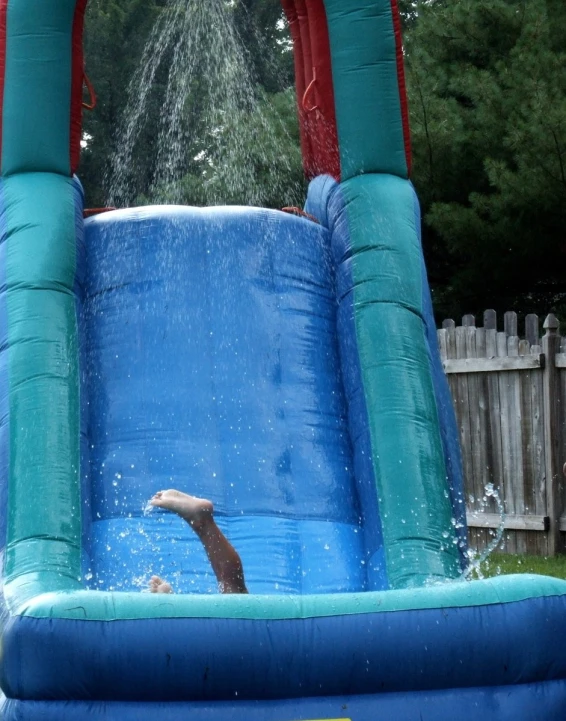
505, 563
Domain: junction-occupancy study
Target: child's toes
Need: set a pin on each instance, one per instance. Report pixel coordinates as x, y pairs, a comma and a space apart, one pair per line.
154, 583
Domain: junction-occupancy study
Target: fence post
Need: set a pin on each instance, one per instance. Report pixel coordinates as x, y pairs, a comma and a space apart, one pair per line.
550, 347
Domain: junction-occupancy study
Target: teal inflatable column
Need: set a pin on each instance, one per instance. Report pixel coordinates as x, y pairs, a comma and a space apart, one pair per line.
420, 507
369, 87
404, 424
40, 220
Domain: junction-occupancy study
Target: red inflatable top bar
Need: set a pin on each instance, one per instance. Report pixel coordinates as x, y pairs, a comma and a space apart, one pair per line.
315, 94
325, 138
293, 20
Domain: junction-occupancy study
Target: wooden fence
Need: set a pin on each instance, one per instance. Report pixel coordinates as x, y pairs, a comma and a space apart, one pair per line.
510, 400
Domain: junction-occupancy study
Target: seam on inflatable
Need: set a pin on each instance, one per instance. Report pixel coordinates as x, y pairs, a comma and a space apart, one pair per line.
3, 44
402, 83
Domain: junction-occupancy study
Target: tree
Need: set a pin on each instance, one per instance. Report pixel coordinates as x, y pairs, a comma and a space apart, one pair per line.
115, 34
263, 32
487, 86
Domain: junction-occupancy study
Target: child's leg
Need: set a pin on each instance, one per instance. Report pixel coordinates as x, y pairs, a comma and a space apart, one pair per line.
223, 557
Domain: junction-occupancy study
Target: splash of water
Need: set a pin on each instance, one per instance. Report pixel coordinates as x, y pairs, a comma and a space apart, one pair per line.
216, 130
476, 560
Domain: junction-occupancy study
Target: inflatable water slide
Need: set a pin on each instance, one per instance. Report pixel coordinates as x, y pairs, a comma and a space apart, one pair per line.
286, 368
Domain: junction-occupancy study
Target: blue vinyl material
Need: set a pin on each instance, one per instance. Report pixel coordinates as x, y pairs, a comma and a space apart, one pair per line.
327, 203
528, 702
198, 659
79, 290
213, 368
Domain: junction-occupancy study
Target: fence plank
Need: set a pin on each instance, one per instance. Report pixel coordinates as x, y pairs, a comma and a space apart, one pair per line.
538, 454
475, 431
494, 413
490, 365
484, 453
517, 480
442, 344
462, 400
529, 499
450, 342
514, 523
490, 320
510, 323
506, 480
550, 346
532, 329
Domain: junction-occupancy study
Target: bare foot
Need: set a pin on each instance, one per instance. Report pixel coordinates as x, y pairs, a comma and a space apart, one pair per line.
196, 511
158, 585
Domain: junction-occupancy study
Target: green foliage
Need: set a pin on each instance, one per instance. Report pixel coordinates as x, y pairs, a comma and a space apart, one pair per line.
263, 33
487, 84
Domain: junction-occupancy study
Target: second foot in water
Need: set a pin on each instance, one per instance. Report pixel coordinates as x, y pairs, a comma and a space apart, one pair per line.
158, 585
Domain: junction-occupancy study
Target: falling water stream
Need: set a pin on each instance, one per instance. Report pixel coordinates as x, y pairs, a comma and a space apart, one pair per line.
213, 115
475, 559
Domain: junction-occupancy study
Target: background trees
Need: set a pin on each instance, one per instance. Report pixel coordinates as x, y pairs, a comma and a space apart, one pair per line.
487, 85
114, 38
487, 92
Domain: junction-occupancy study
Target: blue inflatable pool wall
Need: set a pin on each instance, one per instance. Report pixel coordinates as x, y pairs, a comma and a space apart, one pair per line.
285, 367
